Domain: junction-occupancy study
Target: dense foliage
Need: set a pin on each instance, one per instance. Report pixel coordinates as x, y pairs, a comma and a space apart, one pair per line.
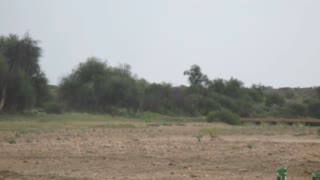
225, 116
95, 86
22, 83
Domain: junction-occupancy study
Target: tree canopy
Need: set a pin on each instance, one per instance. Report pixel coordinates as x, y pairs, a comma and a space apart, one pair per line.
95, 86
22, 83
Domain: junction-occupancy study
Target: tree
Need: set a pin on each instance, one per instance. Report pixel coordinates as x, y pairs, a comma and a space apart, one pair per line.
233, 88
217, 85
314, 108
296, 109
318, 92
96, 87
274, 99
196, 77
22, 78
256, 93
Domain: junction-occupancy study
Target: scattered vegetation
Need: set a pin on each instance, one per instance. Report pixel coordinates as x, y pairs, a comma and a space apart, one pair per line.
116, 126
199, 136
11, 140
212, 132
96, 87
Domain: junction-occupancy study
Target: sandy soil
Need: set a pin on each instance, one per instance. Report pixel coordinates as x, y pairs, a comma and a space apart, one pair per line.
159, 152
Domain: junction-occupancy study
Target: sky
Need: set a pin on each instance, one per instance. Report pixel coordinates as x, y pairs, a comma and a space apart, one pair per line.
272, 42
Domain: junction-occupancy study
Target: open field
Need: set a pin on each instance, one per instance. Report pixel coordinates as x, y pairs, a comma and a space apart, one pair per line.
307, 121
81, 146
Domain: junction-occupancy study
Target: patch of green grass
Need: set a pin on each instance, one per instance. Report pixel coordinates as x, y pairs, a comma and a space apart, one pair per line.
272, 129
150, 116
318, 132
36, 122
67, 117
165, 124
27, 123
116, 126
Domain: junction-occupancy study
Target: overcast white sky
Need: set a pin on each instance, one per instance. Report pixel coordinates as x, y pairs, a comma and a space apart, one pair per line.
273, 42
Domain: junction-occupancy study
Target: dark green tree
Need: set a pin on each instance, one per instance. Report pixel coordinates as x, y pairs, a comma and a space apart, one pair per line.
217, 85
196, 77
233, 88
96, 87
23, 84
314, 108
274, 99
296, 109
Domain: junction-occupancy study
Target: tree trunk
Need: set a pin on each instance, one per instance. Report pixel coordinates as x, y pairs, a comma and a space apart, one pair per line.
3, 97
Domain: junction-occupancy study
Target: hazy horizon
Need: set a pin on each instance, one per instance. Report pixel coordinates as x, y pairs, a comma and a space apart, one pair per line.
275, 43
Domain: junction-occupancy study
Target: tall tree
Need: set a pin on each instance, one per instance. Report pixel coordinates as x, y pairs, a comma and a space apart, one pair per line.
196, 77
22, 77
94, 86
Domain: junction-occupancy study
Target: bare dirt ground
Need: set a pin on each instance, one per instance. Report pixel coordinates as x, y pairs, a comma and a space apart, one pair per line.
156, 152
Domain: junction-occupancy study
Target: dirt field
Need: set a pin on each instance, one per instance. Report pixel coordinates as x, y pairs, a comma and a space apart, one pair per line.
155, 151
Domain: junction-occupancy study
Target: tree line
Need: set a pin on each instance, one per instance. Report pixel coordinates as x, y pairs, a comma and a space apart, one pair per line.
95, 86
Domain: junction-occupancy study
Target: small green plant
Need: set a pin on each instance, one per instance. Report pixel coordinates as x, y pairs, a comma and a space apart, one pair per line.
225, 116
318, 132
212, 132
250, 146
11, 140
199, 136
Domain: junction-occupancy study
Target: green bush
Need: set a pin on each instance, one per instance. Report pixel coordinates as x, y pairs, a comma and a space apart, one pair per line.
275, 99
296, 109
225, 116
313, 109
53, 108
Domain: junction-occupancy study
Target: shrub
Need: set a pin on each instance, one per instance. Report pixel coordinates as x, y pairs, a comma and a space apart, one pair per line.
274, 99
225, 116
53, 108
313, 109
296, 109
11, 140
212, 132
